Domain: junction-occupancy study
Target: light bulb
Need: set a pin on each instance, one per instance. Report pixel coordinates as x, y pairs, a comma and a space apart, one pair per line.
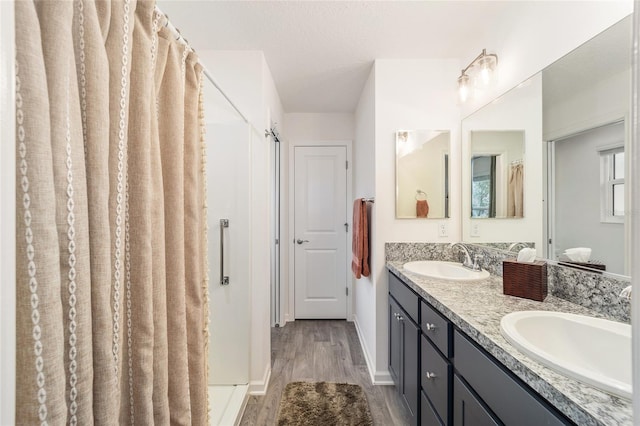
463, 87
485, 75
487, 65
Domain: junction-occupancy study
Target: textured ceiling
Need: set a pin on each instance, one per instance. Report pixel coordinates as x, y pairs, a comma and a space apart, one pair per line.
321, 52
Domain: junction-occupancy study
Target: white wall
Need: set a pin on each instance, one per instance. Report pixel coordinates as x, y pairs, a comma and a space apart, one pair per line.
538, 35
409, 94
7, 215
364, 309
319, 126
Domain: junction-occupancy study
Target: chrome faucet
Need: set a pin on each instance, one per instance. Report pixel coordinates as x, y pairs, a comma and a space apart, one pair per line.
515, 245
468, 263
467, 257
625, 293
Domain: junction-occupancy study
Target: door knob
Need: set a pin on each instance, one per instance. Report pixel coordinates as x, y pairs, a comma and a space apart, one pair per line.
299, 241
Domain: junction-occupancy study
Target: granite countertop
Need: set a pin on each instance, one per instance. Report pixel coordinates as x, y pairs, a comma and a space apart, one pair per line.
477, 308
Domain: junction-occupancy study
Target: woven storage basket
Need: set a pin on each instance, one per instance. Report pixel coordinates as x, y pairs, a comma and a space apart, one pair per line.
527, 280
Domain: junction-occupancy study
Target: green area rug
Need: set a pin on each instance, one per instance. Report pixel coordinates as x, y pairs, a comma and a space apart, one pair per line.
322, 404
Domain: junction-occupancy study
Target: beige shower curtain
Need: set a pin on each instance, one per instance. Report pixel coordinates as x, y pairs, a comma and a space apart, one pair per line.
111, 287
515, 195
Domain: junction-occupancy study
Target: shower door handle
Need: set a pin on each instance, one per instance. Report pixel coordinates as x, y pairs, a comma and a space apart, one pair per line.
224, 279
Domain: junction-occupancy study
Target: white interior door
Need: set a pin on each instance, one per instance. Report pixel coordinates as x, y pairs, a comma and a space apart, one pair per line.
320, 232
228, 197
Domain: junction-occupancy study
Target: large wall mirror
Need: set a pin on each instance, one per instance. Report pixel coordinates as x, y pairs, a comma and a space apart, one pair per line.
422, 174
574, 116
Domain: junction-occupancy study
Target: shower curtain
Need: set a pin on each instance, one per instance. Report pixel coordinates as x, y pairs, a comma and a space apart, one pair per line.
111, 265
515, 194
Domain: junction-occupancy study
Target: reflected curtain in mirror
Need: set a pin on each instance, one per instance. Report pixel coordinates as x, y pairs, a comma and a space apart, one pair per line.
516, 191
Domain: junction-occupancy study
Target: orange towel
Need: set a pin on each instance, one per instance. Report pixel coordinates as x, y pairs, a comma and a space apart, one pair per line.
360, 246
422, 208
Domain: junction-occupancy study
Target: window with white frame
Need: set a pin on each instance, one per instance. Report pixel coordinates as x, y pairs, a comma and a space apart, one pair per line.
612, 185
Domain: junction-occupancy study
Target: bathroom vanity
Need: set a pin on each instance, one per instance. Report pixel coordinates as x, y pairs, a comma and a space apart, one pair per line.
452, 366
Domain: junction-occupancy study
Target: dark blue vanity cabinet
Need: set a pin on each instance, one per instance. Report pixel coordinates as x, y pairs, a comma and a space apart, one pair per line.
404, 339
447, 379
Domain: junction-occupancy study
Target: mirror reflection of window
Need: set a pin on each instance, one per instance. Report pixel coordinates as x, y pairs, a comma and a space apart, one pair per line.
483, 186
612, 184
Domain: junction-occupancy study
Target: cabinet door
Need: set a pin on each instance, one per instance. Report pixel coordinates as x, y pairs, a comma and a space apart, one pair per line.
395, 343
428, 416
467, 410
410, 372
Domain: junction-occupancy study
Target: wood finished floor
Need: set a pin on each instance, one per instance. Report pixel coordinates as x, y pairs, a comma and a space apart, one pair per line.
321, 350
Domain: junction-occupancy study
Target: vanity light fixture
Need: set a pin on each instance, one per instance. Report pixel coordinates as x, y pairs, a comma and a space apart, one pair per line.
483, 67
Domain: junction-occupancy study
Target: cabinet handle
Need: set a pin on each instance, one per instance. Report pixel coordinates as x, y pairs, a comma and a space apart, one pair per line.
431, 375
430, 327
224, 279
400, 317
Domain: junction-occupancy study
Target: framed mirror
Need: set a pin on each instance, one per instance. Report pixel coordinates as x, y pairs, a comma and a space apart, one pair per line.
497, 170
576, 133
422, 174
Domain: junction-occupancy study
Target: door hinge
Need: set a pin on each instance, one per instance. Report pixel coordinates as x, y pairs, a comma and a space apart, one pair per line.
347, 288
346, 227
346, 165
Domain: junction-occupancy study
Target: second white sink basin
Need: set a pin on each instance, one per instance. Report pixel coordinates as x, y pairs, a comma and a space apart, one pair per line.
592, 350
445, 270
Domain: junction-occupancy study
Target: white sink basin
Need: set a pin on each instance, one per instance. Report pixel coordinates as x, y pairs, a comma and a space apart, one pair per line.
445, 270
592, 350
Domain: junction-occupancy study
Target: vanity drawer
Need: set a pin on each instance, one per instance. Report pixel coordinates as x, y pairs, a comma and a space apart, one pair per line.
435, 379
437, 328
407, 299
509, 399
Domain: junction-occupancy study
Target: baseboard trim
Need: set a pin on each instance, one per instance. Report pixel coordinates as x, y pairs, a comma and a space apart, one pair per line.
377, 377
259, 387
245, 400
